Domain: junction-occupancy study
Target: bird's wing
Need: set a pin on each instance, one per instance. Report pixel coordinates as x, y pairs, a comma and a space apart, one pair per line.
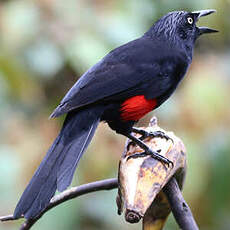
124, 72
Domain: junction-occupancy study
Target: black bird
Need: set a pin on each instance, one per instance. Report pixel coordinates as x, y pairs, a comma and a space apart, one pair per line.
126, 84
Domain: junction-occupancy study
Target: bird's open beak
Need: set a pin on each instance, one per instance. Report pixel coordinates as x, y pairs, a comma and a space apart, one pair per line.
201, 13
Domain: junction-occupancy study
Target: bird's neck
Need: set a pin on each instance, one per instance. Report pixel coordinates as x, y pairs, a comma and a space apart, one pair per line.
173, 43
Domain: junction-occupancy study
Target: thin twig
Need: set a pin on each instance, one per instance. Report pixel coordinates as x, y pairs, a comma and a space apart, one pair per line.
180, 208
67, 195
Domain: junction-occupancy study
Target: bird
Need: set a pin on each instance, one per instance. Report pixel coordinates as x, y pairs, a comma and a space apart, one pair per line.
129, 82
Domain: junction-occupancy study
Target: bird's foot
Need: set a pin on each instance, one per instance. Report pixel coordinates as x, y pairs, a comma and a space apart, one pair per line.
154, 155
144, 134
147, 151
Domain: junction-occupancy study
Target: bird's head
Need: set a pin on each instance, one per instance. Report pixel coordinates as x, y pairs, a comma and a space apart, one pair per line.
179, 27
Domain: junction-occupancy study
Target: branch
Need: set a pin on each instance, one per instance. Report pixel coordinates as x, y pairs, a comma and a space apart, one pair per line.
67, 195
180, 208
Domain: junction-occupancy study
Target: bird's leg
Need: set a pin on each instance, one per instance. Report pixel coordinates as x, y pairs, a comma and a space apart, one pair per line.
147, 151
145, 134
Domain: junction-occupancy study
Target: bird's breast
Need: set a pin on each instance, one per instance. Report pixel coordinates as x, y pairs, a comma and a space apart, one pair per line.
134, 108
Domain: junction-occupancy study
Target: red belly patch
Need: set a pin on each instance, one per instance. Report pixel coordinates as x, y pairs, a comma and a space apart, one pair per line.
134, 108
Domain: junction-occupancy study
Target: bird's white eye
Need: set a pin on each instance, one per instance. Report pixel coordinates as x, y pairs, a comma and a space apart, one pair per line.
190, 20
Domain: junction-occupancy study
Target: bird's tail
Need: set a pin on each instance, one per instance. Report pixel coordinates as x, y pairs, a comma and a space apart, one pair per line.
57, 168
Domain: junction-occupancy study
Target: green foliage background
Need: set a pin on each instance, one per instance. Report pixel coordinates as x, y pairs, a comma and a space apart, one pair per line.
45, 46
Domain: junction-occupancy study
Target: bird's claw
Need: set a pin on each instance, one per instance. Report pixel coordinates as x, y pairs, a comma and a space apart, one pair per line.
169, 163
144, 134
154, 155
159, 134
137, 155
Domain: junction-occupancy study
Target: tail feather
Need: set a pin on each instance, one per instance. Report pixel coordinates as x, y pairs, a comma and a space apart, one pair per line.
57, 168
69, 164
